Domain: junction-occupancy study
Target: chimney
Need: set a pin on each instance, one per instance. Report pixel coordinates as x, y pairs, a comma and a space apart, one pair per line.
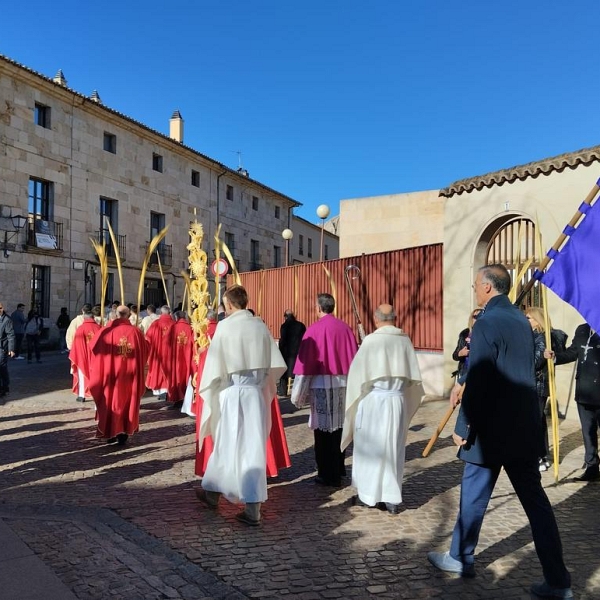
176, 127
95, 97
60, 78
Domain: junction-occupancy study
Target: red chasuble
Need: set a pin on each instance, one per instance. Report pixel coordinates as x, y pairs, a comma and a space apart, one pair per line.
118, 357
161, 352
80, 353
180, 367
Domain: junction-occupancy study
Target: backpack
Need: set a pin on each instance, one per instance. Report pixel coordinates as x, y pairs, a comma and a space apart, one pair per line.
33, 326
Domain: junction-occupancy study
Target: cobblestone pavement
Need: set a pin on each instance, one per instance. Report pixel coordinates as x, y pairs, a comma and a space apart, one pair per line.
117, 522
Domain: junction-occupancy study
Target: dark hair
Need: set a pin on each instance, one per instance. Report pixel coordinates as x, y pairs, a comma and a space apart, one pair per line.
251, 312
19, 305
86, 308
326, 303
151, 308
498, 277
96, 310
237, 296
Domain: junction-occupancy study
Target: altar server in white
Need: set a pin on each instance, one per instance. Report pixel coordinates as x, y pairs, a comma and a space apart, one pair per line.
383, 393
239, 382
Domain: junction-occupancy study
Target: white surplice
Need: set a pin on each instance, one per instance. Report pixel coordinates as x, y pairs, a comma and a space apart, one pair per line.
383, 393
238, 384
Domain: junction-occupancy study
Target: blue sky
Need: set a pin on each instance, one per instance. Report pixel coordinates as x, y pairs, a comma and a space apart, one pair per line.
327, 99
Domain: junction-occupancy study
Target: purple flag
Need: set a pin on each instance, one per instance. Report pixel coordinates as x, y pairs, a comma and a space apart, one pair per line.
574, 275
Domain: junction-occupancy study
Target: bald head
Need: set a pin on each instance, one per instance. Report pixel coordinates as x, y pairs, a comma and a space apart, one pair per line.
123, 312
385, 315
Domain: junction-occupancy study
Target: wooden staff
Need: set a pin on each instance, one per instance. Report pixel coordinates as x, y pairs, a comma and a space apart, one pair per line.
438, 431
332, 284
559, 242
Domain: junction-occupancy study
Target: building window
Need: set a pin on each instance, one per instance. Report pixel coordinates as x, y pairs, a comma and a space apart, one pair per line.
301, 245
40, 198
108, 214
254, 255
230, 241
195, 178
277, 212
254, 202
276, 256
157, 162
309, 252
41, 115
40, 289
110, 143
326, 252
229, 192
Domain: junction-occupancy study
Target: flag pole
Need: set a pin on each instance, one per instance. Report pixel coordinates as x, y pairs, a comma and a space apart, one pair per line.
559, 242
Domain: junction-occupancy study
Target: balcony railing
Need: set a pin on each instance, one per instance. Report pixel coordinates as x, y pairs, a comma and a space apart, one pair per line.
110, 250
166, 255
46, 235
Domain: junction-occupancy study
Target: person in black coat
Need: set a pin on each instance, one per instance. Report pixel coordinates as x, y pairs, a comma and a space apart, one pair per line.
585, 349
461, 352
558, 340
497, 428
7, 349
291, 333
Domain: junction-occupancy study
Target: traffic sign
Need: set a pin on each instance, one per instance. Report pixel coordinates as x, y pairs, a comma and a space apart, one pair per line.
219, 267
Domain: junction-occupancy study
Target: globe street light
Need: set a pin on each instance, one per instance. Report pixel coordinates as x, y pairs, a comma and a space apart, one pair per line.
287, 235
322, 213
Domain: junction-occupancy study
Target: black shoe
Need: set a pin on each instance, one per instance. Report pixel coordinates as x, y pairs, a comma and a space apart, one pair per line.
122, 438
111, 440
393, 509
590, 474
356, 501
175, 405
80, 399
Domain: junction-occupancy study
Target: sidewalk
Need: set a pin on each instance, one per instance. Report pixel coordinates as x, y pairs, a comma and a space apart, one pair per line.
93, 521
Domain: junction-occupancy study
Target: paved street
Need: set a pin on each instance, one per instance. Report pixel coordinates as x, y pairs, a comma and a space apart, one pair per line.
115, 522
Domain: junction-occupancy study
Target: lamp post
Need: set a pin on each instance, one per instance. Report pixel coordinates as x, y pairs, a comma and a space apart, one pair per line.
18, 222
322, 213
287, 235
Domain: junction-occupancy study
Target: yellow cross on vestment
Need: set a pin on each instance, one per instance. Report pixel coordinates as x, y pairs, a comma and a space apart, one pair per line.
182, 338
124, 348
88, 336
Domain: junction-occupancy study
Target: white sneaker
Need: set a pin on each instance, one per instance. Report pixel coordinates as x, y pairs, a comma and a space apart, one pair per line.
544, 465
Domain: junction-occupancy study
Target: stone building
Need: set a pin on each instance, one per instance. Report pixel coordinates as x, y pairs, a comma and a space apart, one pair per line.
70, 165
497, 217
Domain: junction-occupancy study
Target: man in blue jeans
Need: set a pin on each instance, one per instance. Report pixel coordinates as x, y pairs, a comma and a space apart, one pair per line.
493, 430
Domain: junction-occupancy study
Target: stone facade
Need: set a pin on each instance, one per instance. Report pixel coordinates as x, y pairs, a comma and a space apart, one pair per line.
85, 156
390, 222
305, 246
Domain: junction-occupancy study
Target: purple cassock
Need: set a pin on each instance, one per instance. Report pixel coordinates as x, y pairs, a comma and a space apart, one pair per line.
327, 348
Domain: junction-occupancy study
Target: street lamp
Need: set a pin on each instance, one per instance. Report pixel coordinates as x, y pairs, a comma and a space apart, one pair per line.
287, 235
17, 222
322, 213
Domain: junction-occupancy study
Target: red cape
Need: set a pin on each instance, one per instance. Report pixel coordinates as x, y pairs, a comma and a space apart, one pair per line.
118, 356
80, 353
180, 367
161, 351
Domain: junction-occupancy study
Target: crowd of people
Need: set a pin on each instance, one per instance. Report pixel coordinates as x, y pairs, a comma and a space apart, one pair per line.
366, 396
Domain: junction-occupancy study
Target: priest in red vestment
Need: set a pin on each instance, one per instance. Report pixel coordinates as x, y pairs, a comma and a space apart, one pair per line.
180, 368
161, 353
118, 357
80, 353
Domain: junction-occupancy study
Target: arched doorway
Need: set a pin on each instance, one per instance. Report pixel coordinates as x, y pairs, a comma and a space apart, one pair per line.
513, 244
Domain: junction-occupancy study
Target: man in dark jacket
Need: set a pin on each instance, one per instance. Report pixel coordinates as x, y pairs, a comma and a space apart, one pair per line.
496, 428
290, 336
585, 349
7, 348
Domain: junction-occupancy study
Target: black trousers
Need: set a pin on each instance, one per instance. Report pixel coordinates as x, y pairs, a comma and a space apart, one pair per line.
18, 343
4, 378
589, 416
329, 457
